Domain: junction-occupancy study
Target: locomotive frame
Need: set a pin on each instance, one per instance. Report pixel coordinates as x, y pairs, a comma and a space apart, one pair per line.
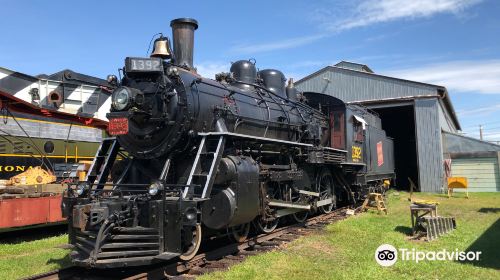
204, 158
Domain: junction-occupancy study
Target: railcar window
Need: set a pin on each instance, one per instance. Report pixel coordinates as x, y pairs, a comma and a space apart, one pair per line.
358, 131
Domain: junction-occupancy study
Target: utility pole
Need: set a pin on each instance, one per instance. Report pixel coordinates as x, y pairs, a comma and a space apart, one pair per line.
481, 132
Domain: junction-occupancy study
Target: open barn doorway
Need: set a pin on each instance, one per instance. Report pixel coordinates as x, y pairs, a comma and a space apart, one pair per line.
399, 123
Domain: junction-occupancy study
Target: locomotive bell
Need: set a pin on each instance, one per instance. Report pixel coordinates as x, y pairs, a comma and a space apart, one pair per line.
162, 48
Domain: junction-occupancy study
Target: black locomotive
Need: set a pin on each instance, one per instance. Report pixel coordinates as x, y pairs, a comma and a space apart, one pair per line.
194, 157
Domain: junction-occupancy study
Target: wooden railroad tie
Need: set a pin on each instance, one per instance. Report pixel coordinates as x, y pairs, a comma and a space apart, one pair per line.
374, 201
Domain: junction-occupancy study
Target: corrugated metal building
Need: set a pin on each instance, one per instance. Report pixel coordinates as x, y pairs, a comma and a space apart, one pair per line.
474, 159
413, 113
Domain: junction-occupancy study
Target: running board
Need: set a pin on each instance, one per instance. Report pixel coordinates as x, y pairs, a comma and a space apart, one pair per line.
316, 194
286, 204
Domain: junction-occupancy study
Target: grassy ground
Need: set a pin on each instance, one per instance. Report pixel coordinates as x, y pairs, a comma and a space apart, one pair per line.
24, 258
344, 250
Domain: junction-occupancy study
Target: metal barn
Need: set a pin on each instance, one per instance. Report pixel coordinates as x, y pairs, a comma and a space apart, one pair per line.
414, 114
474, 159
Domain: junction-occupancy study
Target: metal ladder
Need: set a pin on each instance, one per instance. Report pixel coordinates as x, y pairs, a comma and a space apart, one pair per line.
205, 166
102, 163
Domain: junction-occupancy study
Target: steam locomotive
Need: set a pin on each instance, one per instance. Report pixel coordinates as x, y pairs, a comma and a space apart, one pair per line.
193, 158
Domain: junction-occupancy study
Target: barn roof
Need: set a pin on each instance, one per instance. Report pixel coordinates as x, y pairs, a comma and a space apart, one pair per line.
354, 66
360, 94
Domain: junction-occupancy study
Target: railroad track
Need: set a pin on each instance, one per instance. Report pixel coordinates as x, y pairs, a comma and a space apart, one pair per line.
213, 260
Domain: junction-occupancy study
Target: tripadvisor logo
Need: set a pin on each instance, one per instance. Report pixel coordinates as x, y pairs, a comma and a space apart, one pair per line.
387, 255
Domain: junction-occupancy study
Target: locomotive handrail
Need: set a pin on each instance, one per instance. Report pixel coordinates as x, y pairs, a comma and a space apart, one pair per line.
254, 137
266, 139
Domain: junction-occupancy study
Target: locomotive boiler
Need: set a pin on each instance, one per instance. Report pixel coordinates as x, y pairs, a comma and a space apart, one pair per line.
192, 158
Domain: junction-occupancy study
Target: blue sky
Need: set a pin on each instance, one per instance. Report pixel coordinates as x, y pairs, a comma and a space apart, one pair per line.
453, 43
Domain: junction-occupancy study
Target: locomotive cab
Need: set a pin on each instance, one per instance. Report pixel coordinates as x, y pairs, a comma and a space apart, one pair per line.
336, 110
359, 132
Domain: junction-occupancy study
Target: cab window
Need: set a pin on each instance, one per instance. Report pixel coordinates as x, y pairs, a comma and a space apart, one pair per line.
357, 131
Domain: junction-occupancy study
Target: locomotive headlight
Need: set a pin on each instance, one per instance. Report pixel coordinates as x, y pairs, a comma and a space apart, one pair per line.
154, 188
121, 98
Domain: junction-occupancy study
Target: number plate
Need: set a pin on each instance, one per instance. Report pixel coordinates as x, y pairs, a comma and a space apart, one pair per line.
118, 126
137, 64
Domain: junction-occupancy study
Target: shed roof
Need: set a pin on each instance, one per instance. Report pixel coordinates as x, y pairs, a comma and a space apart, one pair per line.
458, 143
441, 91
354, 66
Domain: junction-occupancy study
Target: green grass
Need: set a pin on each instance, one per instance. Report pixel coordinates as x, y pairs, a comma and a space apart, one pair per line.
32, 257
345, 250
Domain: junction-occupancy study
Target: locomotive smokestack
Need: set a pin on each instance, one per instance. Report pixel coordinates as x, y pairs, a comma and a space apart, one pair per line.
183, 35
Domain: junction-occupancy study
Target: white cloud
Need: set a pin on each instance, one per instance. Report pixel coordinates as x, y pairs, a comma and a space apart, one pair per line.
208, 69
378, 11
278, 45
480, 111
495, 134
476, 76
366, 12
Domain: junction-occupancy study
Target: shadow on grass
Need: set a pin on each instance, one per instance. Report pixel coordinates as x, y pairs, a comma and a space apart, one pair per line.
489, 210
489, 246
62, 262
403, 229
31, 234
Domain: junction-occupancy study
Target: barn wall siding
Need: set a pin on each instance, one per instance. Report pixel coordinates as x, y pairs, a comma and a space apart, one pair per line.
483, 174
429, 146
445, 123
